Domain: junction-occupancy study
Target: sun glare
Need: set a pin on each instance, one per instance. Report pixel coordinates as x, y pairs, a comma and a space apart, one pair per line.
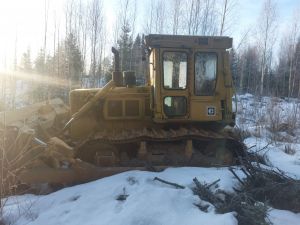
41, 79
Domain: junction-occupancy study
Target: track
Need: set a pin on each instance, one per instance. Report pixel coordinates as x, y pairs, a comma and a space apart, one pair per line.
161, 147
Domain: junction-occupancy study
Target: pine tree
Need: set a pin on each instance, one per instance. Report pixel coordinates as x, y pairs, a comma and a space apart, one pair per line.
125, 48
137, 55
39, 63
234, 66
26, 65
107, 68
73, 59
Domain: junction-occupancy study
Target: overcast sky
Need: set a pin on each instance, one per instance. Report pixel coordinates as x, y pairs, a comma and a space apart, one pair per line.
24, 19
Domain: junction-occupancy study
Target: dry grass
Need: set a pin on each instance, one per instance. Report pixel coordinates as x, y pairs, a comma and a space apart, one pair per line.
282, 122
14, 145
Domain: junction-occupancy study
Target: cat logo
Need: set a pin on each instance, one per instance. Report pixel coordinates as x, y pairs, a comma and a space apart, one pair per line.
211, 111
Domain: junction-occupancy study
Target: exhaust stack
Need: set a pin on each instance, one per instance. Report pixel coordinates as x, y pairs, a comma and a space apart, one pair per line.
117, 74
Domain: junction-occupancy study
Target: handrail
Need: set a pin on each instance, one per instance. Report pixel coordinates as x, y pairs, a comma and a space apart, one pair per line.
87, 106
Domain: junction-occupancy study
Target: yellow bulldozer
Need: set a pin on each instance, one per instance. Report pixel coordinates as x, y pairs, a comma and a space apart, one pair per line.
177, 119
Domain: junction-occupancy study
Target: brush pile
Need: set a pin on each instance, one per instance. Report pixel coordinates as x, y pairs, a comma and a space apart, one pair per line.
260, 188
27, 140
270, 185
248, 210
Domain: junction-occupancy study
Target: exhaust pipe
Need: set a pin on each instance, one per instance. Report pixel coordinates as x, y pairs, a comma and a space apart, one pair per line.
117, 74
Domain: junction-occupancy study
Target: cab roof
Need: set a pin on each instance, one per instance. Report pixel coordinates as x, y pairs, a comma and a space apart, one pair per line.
185, 41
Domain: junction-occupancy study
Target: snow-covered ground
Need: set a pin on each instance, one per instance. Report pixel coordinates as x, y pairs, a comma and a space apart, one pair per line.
151, 202
272, 129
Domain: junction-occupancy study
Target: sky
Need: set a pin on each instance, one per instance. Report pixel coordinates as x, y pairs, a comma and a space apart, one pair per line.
22, 22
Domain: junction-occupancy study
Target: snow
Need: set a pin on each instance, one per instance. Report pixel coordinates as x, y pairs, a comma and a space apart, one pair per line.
276, 156
256, 116
284, 217
151, 202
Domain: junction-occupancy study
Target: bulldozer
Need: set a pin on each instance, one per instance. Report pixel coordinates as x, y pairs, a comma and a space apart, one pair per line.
176, 119
182, 116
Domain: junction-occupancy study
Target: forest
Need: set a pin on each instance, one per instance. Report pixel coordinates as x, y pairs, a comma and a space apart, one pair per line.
264, 61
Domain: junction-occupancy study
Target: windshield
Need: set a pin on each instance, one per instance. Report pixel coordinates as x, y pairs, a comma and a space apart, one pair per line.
205, 73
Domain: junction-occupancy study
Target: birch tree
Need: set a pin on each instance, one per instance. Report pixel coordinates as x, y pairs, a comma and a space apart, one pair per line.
96, 32
267, 25
149, 15
160, 17
227, 9
293, 36
201, 17
177, 15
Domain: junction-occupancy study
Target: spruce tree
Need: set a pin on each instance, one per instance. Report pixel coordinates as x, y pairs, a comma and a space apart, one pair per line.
26, 65
73, 59
125, 48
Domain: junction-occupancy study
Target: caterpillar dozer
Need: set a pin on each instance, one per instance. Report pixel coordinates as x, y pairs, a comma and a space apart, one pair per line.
176, 119
181, 117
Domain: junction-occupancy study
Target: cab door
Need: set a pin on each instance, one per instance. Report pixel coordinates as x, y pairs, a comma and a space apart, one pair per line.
208, 82
174, 83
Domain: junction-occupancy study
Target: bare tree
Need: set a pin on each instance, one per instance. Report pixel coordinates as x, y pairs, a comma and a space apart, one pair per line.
46, 12
96, 29
177, 14
149, 15
193, 16
227, 8
160, 17
209, 18
201, 17
293, 35
267, 25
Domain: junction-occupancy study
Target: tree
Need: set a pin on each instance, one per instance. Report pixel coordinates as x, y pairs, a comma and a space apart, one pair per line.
156, 17
227, 7
201, 17
124, 46
107, 69
138, 65
293, 35
177, 14
248, 69
160, 17
266, 38
297, 63
26, 65
193, 17
39, 62
46, 11
96, 33
149, 15
74, 60
234, 65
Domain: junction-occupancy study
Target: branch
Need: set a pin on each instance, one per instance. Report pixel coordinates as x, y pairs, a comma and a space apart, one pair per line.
170, 183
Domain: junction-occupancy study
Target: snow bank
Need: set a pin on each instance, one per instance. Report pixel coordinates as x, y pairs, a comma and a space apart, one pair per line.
148, 203
283, 217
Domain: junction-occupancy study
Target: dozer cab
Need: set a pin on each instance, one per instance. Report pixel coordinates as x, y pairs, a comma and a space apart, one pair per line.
176, 119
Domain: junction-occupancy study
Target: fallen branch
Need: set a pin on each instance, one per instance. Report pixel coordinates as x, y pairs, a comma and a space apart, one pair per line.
213, 183
236, 176
169, 183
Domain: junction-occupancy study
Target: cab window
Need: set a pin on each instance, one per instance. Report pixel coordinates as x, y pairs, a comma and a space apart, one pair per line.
205, 73
175, 70
175, 106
